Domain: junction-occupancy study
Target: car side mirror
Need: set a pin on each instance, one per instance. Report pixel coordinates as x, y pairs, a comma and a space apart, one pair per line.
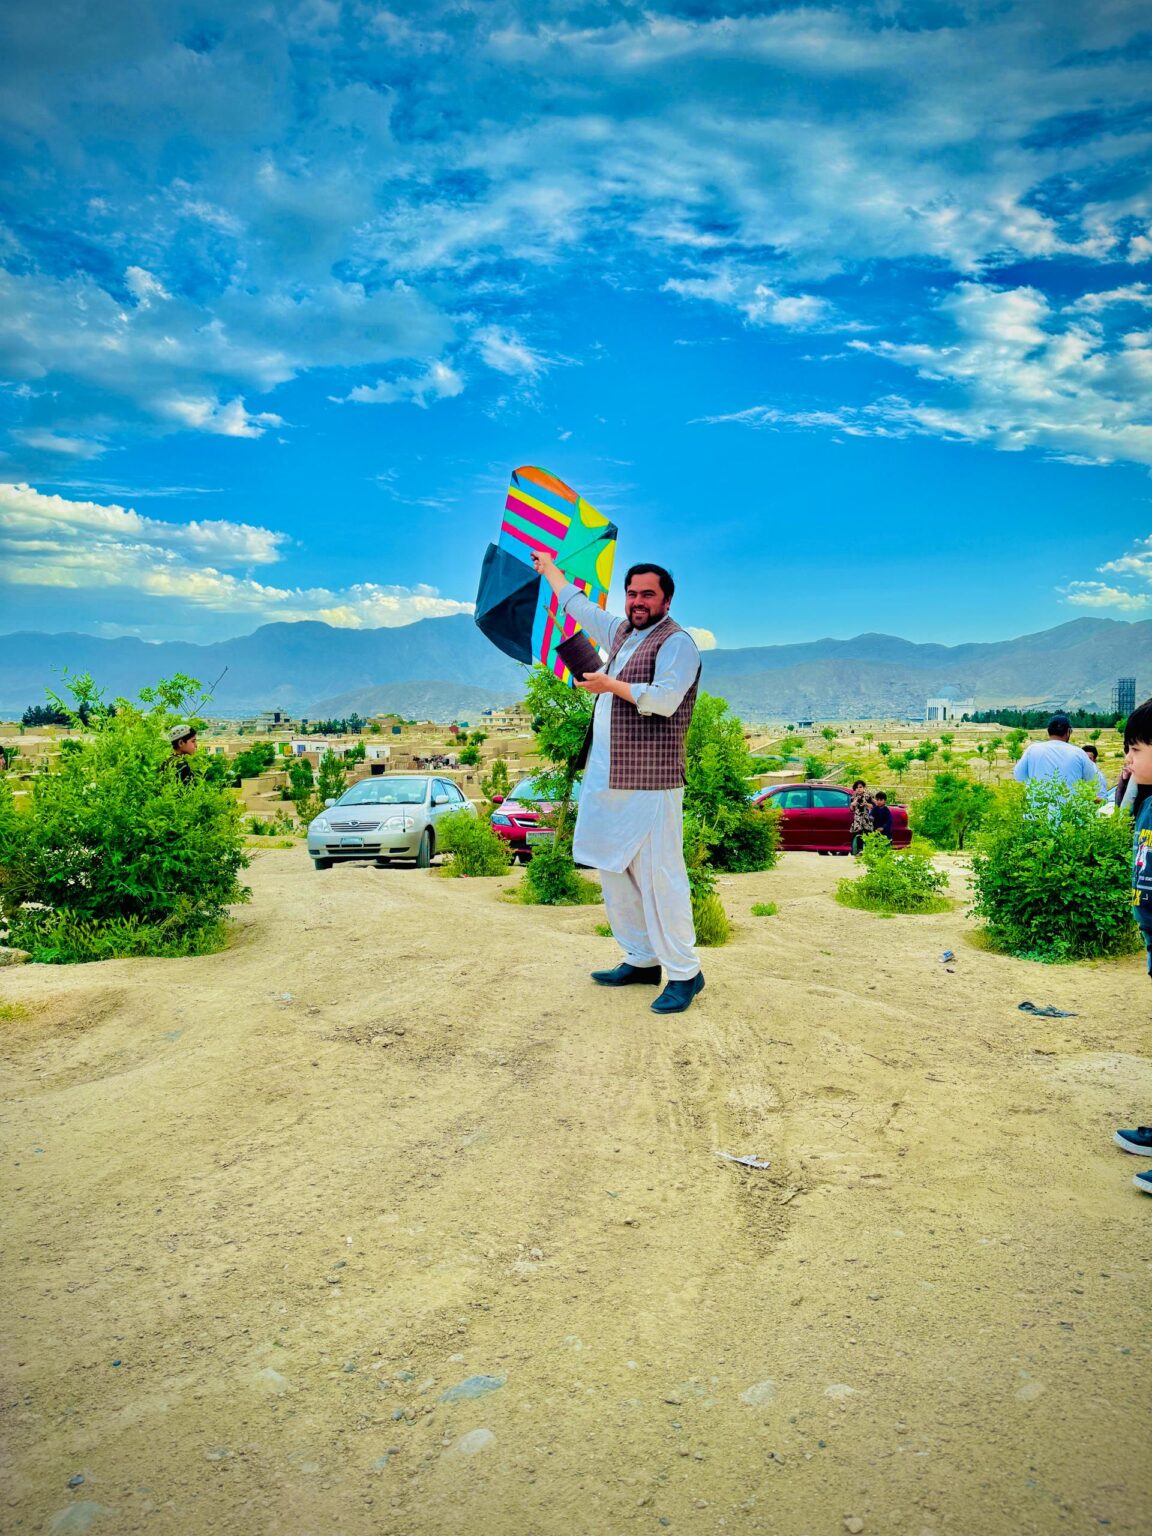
497, 799
328, 803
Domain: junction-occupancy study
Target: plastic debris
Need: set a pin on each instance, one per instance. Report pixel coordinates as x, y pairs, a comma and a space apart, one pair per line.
949, 954
1046, 1013
745, 1162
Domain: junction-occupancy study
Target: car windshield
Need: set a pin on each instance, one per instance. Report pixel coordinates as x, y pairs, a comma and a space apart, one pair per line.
386, 792
528, 790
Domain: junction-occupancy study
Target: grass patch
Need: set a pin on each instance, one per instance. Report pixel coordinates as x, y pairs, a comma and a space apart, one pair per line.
10, 1012
61, 938
604, 930
764, 909
710, 921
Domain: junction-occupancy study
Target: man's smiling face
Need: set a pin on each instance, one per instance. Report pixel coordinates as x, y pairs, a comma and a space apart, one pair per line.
644, 600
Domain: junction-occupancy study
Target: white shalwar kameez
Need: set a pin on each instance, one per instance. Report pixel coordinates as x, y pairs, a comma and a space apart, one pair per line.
635, 837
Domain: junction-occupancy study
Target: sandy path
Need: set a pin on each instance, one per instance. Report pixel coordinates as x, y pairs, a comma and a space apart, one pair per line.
393, 1140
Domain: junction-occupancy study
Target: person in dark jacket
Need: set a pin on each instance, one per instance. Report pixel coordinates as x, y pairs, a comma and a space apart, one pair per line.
184, 744
881, 814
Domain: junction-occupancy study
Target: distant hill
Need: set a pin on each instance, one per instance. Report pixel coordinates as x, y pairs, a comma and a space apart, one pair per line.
444, 669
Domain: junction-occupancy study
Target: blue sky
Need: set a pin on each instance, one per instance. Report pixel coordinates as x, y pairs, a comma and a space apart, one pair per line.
843, 312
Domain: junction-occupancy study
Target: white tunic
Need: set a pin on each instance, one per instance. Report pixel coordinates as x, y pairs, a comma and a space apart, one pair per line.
612, 824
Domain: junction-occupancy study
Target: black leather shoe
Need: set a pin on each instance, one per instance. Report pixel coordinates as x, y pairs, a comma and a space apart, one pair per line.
678, 995
627, 975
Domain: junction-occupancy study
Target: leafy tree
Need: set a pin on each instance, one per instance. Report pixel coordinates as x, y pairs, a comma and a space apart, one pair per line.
560, 719
356, 723
1052, 877
332, 780
44, 714
356, 753
829, 734
301, 781
815, 767
900, 762
497, 781
116, 853
947, 738
925, 752
884, 748
952, 810
470, 756
1016, 740
790, 745
253, 761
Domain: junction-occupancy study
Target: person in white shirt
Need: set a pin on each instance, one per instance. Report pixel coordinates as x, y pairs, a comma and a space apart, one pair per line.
1057, 758
630, 824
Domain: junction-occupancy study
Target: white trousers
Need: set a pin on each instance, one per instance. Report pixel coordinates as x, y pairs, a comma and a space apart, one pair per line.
650, 909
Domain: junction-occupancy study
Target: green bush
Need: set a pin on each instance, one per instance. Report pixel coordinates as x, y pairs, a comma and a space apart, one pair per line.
815, 767
253, 761
952, 810
708, 916
552, 879
115, 853
764, 909
735, 835
894, 880
1052, 877
475, 848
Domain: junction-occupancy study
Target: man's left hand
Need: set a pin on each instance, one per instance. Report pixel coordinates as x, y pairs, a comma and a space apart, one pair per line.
600, 682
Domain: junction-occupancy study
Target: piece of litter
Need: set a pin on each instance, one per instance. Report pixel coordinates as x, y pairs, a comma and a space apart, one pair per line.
948, 955
1046, 1013
745, 1162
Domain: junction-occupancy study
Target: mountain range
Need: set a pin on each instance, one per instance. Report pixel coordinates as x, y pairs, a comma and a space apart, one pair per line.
444, 669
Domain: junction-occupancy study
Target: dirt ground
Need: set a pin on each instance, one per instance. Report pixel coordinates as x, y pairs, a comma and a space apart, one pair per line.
387, 1220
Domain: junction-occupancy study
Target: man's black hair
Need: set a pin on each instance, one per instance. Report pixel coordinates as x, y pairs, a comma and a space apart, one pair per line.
1138, 726
859, 784
667, 585
881, 794
1059, 725
1090, 751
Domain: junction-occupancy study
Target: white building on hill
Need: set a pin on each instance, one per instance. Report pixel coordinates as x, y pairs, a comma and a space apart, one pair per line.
945, 707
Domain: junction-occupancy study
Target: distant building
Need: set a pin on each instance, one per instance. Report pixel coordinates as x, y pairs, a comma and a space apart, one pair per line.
945, 707
1124, 696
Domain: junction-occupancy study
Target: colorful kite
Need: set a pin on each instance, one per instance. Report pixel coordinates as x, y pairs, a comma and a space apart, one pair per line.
517, 610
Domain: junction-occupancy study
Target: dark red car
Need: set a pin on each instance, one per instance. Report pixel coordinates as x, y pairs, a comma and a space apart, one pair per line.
816, 818
517, 817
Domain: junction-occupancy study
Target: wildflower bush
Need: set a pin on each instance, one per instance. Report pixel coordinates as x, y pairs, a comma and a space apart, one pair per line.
951, 811
894, 880
476, 849
115, 853
1052, 877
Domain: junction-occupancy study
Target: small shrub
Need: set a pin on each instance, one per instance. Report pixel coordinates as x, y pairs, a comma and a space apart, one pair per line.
64, 938
764, 909
552, 880
710, 921
1053, 878
746, 841
604, 930
476, 850
894, 880
815, 767
259, 826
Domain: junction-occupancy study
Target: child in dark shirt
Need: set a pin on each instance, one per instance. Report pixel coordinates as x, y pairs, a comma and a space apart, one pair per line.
1138, 759
881, 815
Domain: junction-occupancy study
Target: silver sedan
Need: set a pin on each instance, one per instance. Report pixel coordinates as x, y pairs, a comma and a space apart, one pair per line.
390, 817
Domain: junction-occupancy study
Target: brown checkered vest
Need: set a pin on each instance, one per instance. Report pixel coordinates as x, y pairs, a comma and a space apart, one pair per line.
647, 750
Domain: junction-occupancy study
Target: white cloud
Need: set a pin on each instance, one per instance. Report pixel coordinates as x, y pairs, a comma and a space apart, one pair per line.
506, 352
704, 638
56, 442
1136, 566
1011, 372
206, 414
437, 382
57, 544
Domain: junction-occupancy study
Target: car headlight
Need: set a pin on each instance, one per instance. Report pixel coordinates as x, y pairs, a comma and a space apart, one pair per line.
320, 825
399, 824
501, 821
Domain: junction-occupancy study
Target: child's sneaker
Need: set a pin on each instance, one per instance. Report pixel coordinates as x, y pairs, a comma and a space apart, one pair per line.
1143, 1181
1138, 1141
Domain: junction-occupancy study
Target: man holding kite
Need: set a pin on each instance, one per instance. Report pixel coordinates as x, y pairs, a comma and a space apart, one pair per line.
630, 824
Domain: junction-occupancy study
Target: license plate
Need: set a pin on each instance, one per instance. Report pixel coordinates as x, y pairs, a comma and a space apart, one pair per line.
541, 837
351, 842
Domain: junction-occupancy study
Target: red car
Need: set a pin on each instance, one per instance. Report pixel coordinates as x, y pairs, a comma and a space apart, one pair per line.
517, 817
816, 818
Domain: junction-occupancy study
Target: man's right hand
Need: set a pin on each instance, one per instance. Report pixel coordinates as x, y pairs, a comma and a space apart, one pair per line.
547, 567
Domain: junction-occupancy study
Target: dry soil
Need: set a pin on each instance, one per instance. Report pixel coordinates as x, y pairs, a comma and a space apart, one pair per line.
387, 1221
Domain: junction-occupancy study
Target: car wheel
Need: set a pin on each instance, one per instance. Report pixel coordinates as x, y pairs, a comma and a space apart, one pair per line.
383, 863
322, 863
424, 852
